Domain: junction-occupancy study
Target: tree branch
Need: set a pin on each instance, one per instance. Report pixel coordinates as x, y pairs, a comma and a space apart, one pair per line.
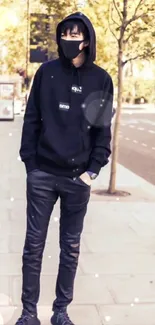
139, 4
131, 59
112, 32
119, 14
127, 39
115, 22
122, 31
134, 18
145, 55
125, 10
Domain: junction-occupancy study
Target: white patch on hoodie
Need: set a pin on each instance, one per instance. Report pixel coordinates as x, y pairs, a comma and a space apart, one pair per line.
77, 89
64, 106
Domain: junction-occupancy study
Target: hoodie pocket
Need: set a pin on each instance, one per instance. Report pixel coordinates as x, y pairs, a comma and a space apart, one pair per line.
63, 144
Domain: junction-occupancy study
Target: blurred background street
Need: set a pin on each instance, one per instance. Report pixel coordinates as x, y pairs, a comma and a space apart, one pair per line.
137, 144
115, 281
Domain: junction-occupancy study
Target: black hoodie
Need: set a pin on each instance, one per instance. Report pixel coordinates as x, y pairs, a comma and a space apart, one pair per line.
67, 123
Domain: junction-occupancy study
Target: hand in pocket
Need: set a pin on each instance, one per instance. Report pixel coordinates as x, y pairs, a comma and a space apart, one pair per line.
86, 178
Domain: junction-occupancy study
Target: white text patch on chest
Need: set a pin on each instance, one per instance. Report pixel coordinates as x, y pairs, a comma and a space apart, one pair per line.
76, 89
64, 106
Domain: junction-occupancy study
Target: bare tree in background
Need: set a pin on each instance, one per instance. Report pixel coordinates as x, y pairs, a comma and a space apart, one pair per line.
127, 21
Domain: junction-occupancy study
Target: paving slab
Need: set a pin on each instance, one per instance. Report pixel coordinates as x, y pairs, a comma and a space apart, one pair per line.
121, 263
126, 290
110, 243
4, 291
128, 315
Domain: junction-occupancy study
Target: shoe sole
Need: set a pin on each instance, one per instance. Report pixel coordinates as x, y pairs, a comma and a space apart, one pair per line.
38, 323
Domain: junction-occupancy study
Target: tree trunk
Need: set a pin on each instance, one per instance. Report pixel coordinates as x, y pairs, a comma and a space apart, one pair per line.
115, 146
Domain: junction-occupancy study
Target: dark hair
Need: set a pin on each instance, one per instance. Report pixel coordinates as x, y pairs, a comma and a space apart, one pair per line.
70, 25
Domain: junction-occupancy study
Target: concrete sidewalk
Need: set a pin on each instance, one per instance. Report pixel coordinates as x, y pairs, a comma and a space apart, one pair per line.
115, 281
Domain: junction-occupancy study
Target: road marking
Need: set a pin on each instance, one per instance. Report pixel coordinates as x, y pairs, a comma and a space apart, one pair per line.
123, 124
132, 126
153, 148
151, 131
141, 129
148, 122
127, 139
144, 144
135, 141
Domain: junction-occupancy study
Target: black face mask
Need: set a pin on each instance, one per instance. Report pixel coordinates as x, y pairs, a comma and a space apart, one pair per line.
71, 48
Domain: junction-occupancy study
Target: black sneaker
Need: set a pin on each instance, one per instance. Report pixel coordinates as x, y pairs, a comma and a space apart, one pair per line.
60, 318
28, 319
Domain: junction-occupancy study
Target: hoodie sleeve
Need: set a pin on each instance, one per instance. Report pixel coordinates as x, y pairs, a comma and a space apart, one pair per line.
32, 126
102, 134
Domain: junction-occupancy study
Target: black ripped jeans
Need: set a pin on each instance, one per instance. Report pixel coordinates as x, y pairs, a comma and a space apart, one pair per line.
43, 190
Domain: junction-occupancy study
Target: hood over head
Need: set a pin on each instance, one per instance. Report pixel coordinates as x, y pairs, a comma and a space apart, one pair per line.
91, 56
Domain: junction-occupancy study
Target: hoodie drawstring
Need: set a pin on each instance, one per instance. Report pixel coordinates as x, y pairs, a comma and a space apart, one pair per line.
79, 77
70, 87
72, 83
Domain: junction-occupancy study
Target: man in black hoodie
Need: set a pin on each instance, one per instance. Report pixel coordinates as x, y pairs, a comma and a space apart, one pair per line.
65, 142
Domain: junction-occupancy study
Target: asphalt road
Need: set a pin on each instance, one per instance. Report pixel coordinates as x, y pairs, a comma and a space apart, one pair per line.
137, 144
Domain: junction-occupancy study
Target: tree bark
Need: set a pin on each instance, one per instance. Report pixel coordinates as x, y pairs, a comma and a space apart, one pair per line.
122, 41
115, 146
